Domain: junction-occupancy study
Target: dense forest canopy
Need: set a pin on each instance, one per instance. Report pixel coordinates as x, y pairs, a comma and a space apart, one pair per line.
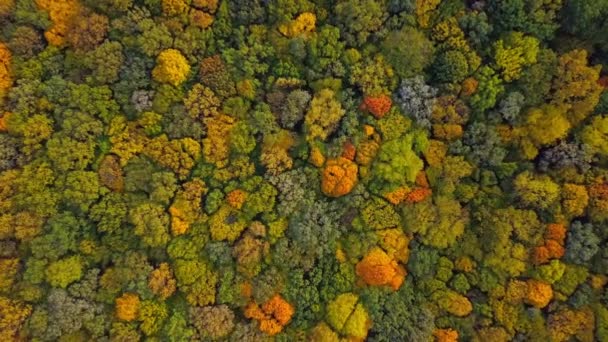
303, 170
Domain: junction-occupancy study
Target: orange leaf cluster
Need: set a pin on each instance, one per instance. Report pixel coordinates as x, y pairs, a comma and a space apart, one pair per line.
350, 151
377, 105
539, 293
554, 244
127, 307
272, 315
469, 86
418, 195
598, 197
4, 122
378, 269
445, 335
339, 177
405, 194
61, 13
236, 198
5, 64
398, 195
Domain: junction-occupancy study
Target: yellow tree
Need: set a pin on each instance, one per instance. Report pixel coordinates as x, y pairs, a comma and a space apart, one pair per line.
171, 67
323, 116
5, 65
576, 85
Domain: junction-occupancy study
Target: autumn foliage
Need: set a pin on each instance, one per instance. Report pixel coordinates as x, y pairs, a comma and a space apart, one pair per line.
377, 269
378, 105
304, 170
127, 307
5, 65
339, 177
272, 315
171, 67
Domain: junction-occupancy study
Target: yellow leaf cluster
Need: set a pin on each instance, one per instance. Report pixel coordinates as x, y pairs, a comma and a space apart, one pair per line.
304, 23
61, 12
171, 67
5, 65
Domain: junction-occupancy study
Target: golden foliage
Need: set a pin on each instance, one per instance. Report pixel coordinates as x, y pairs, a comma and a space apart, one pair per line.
304, 23
174, 7
12, 316
539, 293
161, 281
171, 67
61, 13
339, 177
236, 198
5, 75
216, 146
377, 268
127, 307
316, 157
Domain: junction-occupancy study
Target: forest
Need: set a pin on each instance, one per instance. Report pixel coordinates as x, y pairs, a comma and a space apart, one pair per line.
304, 170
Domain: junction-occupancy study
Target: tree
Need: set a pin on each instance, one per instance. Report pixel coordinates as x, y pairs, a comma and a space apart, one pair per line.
61, 14
171, 67
201, 102
127, 307
377, 105
490, 87
5, 65
339, 177
213, 322
161, 281
87, 31
272, 316
302, 24
348, 316
214, 74
594, 135
576, 85
581, 18
582, 243
539, 293
13, 314
105, 62
417, 100
65, 271
450, 66
453, 302
574, 199
358, 19
513, 53
378, 269
197, 280
152, 315
440, 222
151, 224
408, 50
396, 164
110, 173
538, 191
323, 116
